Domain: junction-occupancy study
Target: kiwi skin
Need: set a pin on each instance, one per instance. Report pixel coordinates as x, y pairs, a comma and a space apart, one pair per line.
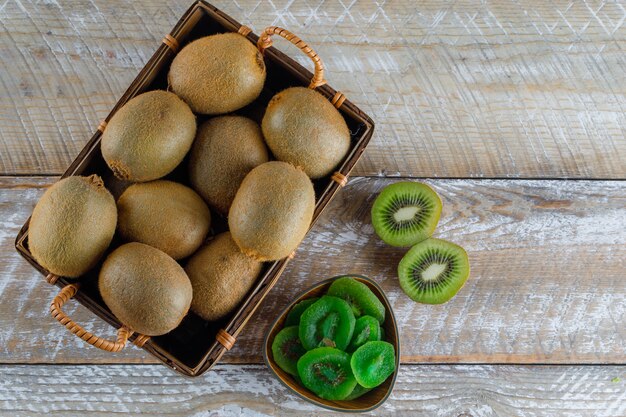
148, 136
272, 211
145, 288
226, 148
72, 225
301, 127
218, 74
165, 215
221, 276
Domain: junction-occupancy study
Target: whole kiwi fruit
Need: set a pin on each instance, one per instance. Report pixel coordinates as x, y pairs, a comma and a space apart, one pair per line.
272, 211
301, 127
148, 136
218, 74
226, 148
145, 288
165, 215
220, 277
72, 225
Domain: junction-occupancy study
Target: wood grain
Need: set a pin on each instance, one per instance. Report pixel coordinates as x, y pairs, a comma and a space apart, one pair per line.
458, 89
433, 391
547, 283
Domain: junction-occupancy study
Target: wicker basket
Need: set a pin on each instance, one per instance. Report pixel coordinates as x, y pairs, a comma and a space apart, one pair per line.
196, 345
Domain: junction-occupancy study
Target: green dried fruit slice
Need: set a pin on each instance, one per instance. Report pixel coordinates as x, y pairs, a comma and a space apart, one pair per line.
361, 299
366, 329
293, 318
372, 363
287, 349
357, 392
326, 372
327, 322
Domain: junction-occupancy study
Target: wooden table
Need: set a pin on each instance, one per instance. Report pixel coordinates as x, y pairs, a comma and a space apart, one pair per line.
514, 112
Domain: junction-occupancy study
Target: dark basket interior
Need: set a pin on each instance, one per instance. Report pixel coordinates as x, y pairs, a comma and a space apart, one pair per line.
192, 348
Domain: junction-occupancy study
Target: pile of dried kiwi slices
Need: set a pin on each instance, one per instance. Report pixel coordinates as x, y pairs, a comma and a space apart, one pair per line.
333, 344
433, 270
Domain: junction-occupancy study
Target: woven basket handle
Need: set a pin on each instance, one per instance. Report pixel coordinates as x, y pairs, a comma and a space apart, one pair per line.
68, 292
265, 41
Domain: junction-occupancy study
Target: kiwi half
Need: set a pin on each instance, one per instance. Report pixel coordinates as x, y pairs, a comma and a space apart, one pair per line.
433, 271
405, 213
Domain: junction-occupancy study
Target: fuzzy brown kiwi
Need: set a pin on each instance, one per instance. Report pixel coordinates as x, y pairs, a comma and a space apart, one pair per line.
149, 136
301, 127
272, 211
218, 74
72, 225
221, 276
145, 288
226, 148
165, 215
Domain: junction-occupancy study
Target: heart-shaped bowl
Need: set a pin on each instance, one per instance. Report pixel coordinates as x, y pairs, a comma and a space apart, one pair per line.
367, 402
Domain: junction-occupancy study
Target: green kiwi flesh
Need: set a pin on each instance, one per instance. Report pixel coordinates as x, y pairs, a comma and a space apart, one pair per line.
221, 276
218, 74
145, 288
433, 271
405, 213
148, 136
272, 211
72, 225
165, 215
225, 150
303, 128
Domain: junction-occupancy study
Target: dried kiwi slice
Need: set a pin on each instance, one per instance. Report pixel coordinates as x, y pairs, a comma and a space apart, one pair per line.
327, 372
287, 349
433, 271
293, 318
362, 300
327, 322
372, 363
406, 213
357, 392
366, 329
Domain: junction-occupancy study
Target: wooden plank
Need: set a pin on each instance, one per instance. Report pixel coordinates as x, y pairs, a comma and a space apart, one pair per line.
231, 390
547, 283
462, 89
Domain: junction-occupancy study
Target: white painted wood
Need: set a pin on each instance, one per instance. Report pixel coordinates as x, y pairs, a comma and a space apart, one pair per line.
461, 89
231, 390
547, 282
